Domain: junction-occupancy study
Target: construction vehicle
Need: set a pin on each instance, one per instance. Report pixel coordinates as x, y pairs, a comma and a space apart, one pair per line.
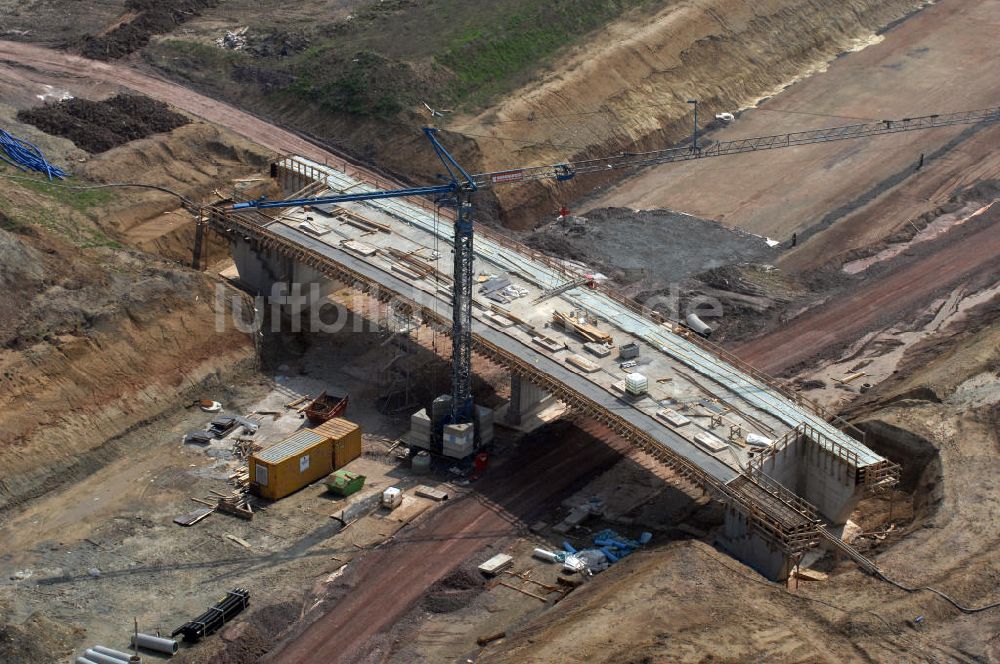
460, 187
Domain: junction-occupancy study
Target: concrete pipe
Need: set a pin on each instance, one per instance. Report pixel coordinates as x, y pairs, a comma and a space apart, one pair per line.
546, 555
156, 643
117, 654
98, 658
698, 325
84, 660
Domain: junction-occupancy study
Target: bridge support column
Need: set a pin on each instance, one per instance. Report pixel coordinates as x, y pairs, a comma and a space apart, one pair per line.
283, 282
525, 400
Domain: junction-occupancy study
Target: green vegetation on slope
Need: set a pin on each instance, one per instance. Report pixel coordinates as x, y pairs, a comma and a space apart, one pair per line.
394, 54
69, 213
491, 58
80, 200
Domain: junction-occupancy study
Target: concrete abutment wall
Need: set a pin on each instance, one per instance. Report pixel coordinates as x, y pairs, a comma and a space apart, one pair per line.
821, 478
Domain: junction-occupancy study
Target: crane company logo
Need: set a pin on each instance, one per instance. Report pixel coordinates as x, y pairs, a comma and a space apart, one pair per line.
507, 176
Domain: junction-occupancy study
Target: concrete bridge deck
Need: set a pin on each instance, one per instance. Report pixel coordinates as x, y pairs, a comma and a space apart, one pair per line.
402, 248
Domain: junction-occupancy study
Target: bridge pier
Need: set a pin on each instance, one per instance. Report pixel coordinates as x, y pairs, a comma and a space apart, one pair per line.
289, 286
526, 400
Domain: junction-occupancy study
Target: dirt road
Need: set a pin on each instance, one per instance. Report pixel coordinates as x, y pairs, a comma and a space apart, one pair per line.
17, 60
879, 301
390, 579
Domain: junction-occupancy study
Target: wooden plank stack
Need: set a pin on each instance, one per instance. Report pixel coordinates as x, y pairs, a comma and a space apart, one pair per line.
585, 330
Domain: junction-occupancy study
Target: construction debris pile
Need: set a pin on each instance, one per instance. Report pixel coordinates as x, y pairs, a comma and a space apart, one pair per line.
500, 289
609, 547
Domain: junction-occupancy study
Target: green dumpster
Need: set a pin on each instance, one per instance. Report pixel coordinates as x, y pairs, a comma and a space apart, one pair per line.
345, 482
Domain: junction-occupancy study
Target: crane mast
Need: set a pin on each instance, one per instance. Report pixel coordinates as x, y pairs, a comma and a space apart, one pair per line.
461, 322
458, 191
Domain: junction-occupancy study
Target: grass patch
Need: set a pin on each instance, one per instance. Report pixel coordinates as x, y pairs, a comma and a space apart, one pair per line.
393, 54
67, 213
490, 60
81, 200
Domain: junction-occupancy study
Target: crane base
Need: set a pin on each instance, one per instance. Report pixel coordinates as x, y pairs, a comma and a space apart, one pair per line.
432, 431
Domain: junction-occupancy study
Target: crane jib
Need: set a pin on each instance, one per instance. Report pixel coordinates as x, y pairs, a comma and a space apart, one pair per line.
634, 160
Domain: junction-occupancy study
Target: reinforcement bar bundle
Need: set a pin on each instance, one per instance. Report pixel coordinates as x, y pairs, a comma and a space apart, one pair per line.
25, 156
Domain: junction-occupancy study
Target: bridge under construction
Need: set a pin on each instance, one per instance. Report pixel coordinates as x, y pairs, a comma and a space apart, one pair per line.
788, 472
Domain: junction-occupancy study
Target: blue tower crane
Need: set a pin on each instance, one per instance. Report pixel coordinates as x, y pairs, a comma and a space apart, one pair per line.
457, 193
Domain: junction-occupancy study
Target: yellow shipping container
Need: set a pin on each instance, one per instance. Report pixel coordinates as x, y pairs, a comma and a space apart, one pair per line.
295, 462
346, 437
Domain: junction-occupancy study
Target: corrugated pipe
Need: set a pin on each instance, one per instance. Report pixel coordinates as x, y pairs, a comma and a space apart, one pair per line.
84, 660
118, 654
157, 643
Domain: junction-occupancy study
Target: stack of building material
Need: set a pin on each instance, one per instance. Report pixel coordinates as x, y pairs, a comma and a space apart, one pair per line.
416, 264
25, 155
214, 618
709, 442
358, 247
458, 440
582, 363
103, 655
585, 330
548, 343
244, 447
237, 504
672, 417
420, 430
636, 384
600, 350
496, 564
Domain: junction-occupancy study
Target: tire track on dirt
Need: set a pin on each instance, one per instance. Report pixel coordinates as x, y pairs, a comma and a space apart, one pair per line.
879, 301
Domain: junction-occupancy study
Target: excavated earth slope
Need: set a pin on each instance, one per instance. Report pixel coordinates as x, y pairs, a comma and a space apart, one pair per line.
96, 337
626, 88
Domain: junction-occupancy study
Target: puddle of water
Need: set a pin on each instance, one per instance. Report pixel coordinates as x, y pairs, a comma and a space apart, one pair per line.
934, 229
